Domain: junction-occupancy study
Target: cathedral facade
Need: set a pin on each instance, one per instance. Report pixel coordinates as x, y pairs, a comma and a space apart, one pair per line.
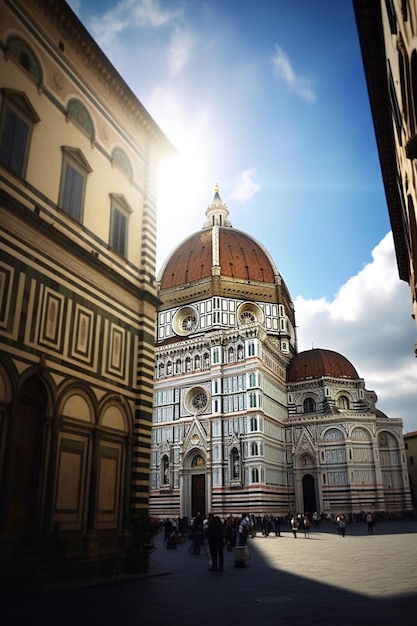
241, 420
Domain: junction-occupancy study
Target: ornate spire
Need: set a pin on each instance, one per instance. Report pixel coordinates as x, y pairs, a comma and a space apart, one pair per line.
217, 213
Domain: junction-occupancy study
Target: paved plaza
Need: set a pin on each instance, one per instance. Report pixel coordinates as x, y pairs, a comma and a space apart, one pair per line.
326, 579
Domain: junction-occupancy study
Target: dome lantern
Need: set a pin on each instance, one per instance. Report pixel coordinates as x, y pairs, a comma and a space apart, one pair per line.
217, 213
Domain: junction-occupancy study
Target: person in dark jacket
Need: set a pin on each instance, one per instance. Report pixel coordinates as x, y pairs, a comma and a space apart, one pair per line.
215, 538
198, 535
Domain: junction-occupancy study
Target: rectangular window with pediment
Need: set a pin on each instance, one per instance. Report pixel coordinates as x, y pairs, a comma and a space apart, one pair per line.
17, 119
119, 217
118, 231
73, 183
14, 141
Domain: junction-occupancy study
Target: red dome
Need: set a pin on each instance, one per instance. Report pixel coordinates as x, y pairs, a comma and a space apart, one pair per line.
239, 256
318, 362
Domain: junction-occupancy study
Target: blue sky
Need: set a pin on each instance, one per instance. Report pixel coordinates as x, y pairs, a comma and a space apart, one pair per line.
268, 99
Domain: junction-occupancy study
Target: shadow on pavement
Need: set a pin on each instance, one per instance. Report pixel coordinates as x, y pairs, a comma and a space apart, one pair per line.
279, 585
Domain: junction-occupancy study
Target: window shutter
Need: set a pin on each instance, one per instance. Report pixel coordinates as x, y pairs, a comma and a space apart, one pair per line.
73, 193
14, 141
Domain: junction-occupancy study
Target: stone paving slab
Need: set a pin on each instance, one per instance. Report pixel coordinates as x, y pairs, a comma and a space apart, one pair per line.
358, 580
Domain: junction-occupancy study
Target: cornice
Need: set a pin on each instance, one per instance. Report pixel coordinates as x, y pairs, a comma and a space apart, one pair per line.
75, 35
322, 381
54, 245
331, 418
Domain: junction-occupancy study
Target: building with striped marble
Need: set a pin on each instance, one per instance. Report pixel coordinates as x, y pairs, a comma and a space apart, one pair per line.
241, 420
78, 163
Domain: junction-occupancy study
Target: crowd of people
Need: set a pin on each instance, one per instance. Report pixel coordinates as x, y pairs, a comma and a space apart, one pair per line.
212, 534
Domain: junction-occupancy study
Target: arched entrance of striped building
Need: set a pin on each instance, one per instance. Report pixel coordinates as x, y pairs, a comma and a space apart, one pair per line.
306, 482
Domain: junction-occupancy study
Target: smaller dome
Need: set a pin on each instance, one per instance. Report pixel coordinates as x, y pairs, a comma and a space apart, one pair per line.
318, 362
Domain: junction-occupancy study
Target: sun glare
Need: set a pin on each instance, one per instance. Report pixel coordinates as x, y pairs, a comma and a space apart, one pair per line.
184, 188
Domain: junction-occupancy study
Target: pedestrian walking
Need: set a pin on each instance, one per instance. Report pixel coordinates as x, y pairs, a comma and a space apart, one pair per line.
295, 525
316, 520
277, 526
243, 529
215, 538
342, 525
197, 533
167, 529
306, 527
231, 532
265, 526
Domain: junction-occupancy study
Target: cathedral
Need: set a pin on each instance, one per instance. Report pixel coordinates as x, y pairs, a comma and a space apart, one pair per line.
242, 421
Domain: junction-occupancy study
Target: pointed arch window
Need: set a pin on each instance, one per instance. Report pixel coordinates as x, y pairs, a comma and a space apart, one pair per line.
165, 470
255, 475
235, 464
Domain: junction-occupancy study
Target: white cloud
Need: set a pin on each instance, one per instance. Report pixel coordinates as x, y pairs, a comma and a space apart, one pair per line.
283, 69
373, 287
131, 13
369, 322
246, 186
180, 50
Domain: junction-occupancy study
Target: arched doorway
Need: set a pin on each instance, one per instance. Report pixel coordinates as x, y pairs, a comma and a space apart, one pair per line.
26, 462
198, 485
309, 494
